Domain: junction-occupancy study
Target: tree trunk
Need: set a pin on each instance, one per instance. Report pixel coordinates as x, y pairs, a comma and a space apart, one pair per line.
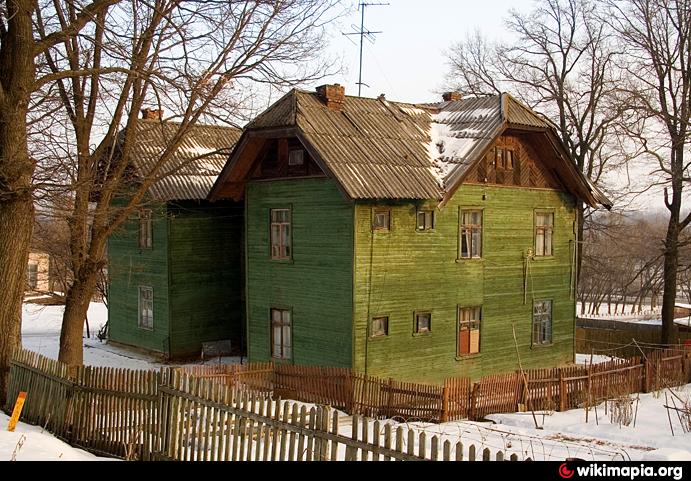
76, 307
17, 74
669, 294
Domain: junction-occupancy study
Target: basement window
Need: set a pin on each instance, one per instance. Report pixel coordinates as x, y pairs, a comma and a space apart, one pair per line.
296, 157
425, 220
380, 327
145, 229
146, 308
381, 220
469, 320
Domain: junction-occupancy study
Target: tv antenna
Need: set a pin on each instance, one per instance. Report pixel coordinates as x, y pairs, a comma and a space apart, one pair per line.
368, 34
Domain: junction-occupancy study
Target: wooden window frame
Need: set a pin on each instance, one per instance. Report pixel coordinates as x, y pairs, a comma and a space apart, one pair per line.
460, 323
372, 335
542, 337
283, 252
416, 323
292, 162
146, 229
142, 323
501, 161
544, 229
381, 210
473, 227
286, 353
425, 226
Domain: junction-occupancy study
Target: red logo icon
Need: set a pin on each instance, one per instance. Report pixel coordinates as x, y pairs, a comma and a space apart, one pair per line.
565, 472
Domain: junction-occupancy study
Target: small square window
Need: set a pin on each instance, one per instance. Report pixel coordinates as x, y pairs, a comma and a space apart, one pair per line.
425, 220
423, 322
296, 157
380, 327
381, 220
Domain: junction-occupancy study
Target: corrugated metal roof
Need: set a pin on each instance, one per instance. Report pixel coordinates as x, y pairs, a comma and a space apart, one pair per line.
377, 149
193, 168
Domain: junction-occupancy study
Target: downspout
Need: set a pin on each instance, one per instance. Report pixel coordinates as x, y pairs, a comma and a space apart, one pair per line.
369, 291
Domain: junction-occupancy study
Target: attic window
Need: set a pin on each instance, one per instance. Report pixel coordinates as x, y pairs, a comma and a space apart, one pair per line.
296, 157
504, 158
381, 220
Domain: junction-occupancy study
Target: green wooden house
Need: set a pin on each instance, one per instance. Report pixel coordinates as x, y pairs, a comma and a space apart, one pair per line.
412, 241
175, 267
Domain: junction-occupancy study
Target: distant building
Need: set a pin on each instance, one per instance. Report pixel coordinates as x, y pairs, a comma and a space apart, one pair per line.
38, 272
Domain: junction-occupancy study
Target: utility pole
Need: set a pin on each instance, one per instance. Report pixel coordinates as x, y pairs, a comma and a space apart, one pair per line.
363, 33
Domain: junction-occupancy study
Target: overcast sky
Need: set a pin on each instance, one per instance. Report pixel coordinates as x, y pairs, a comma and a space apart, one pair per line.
407, 60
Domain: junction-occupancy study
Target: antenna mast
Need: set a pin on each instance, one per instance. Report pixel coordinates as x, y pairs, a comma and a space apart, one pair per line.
363, 33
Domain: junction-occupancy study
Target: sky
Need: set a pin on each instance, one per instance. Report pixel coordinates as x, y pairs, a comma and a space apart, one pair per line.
407, 62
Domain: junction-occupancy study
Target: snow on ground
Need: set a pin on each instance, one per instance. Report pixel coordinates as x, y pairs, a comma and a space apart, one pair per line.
31, 443
561, 435
585, 359
41, 334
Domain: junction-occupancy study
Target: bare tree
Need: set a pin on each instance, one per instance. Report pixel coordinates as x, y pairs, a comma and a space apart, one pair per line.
192, 58
19, 49
560, 62
657, 89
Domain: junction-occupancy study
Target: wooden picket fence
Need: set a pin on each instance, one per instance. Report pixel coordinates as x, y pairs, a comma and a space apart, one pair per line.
458, 398
169, 414
234, 412
210, 421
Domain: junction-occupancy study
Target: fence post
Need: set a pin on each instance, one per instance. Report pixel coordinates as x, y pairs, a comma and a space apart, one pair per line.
562, 391
646, 371
445, 402
389, 410
473, 401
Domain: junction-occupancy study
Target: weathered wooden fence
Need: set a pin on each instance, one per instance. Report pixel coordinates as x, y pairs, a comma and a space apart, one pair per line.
210, 421
103, 410
458, 398
232, 412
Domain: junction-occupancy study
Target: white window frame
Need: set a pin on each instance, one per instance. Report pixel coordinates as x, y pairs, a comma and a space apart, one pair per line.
284, 325
542, 322
145, 321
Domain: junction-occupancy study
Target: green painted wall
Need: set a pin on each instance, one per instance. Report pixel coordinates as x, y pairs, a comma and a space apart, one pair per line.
403, 271
316, 285
205, 275
130, 267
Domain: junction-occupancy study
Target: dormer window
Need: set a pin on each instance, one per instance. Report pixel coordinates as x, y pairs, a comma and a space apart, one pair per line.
296, 157
504, 158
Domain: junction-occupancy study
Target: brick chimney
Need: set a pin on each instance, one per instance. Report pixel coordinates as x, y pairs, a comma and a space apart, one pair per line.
332, 95
152, 114
452, 96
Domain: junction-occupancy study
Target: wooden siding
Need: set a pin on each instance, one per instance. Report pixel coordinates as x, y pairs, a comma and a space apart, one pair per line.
130, 267
205, 275
316, 285
404, 271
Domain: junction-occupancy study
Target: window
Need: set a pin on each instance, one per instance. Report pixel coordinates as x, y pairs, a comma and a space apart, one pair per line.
544, 225
280, 234
146, 308
32, 276
504, 158
469, 319
423, 322
281, 334
145, 229
296, 157
542, 322
425, 220
380, 327
471, 234
381, 220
